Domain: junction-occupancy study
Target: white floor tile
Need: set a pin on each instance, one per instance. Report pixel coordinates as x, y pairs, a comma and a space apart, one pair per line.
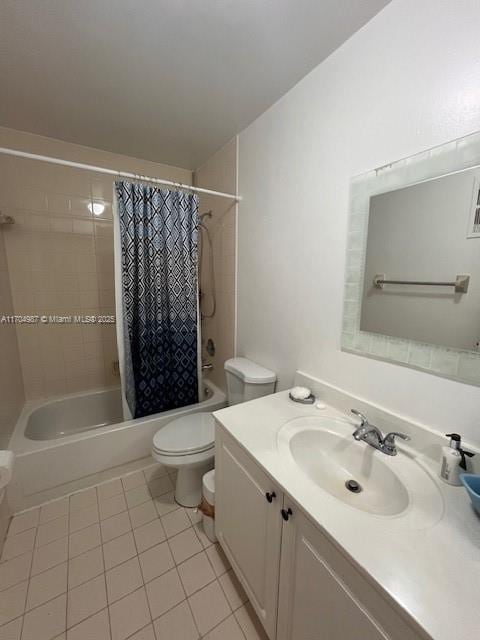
95, 628
159, 486
164, 593
47, 585
83, 499
15, 570
12, 602
85, 600
133, 480
112, 506
23, 521
202, 536
229, 629
156, 561
19, 544
195, 573
83, 518
84, 540
49, 555
47, 621
51, 531
123, 579
12, 630
146, 633
177, 623
165, 503
55, 509
142, 514
130, 614
115, 526
209, 607
218, 559
233, 590
184, 545
109, 489
175, 522
106, 597
85, 567
137, 496
119, 550
149, 535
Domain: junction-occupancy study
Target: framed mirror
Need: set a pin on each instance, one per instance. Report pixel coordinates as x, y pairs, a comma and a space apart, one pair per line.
412, 280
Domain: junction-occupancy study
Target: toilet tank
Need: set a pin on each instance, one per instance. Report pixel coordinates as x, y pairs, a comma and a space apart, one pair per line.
247, 380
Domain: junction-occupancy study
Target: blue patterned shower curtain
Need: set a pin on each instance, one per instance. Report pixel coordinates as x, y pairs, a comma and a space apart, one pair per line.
158, 236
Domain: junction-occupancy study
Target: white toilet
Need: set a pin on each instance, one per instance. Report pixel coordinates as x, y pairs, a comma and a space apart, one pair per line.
188, 443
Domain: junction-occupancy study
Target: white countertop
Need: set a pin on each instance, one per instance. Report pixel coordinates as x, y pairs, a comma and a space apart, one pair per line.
432, 573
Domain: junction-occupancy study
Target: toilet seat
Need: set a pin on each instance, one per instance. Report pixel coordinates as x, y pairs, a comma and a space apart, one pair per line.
186, 436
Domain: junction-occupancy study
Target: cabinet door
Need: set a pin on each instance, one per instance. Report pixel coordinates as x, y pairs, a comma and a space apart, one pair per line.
314, 603
248, 525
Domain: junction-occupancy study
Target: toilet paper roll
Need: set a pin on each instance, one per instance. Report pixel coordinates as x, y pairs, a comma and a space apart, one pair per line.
7, 459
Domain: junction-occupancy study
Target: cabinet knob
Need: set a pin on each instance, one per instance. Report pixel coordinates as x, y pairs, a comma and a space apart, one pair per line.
286, 513
270, 496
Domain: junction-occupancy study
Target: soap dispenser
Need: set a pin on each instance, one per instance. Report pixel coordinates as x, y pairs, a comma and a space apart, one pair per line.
453, 460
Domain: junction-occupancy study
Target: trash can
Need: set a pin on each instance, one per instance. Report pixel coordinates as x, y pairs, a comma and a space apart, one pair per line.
207, 506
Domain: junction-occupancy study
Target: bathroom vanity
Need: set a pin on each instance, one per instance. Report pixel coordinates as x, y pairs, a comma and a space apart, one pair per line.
316, 564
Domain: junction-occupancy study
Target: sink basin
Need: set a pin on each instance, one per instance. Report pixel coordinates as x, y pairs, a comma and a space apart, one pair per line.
331, 461
356, 473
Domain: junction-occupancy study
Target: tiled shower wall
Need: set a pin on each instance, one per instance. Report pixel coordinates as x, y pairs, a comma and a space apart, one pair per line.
11, 383
219, 173
60, 260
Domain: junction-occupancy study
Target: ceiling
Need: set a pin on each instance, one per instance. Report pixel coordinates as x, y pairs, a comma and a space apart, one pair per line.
165, 80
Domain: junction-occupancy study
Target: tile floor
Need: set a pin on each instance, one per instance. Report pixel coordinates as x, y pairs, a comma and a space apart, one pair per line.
116, 561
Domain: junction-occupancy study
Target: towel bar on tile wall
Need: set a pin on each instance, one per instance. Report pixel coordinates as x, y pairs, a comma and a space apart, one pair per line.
461, 282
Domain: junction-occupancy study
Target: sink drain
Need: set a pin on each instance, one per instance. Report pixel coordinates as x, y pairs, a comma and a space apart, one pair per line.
353, 486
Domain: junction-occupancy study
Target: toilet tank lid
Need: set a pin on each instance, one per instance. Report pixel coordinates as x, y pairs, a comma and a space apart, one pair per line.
249, 371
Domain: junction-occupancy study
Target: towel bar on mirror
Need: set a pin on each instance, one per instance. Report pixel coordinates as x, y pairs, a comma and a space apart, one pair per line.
461, 282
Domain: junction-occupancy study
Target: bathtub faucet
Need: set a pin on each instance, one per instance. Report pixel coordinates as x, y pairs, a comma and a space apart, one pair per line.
207, 366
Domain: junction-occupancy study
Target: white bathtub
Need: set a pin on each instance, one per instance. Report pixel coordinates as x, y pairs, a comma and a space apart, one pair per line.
78, 440
74, 414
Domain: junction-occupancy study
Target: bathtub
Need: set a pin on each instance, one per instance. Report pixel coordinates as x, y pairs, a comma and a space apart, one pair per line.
78, 440
74, 414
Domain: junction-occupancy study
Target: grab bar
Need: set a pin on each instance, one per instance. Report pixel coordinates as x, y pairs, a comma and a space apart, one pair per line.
461, 282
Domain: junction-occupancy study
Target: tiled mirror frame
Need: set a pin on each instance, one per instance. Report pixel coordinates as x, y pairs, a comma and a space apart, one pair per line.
455, 156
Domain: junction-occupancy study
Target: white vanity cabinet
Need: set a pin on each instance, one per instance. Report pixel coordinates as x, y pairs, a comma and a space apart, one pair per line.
248, 525
300, 584
314, 602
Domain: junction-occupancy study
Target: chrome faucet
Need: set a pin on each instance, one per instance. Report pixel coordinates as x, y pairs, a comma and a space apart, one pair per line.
372, 435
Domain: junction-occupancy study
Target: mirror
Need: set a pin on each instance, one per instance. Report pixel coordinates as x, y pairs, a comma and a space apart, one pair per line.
425, 233
412, 290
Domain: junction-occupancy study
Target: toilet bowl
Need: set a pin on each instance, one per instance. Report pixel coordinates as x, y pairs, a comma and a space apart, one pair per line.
188, 445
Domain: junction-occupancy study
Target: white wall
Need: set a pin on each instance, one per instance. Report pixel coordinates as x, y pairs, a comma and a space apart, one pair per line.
409, 80
420, 233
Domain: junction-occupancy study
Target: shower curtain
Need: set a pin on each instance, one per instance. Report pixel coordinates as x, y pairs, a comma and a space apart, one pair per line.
157, 295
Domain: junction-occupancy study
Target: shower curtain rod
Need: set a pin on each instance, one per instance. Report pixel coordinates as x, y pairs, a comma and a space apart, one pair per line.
113, 172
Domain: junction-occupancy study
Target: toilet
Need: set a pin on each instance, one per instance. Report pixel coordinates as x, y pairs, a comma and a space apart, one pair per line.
188, 443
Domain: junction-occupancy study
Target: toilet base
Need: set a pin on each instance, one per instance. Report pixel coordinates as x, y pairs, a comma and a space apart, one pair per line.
188, 489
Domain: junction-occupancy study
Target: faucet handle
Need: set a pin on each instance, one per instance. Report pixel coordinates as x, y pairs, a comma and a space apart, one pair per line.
389, 440
363, 418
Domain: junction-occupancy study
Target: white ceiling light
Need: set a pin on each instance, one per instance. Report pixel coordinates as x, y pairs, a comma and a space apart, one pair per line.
97, 208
